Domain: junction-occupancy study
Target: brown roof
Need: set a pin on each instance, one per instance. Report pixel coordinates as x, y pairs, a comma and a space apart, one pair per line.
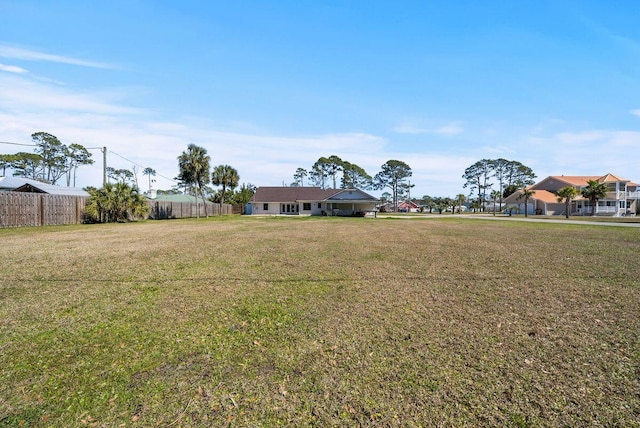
290, 194
545, 196
582, 180
539, 195
610, 178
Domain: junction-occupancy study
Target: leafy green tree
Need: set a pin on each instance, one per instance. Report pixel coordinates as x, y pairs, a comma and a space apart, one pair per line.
500, 167
355, 177
427, 202
27, 165
172, 191
385, 198
54, 156
460, 200
440, 203
526, 194
226, 177
516, 176
117, 202
334, 166
299, 176
51, 161
507, 174
449, 203
151, 173
474, 204
394, 175
75, 155
120, 175
244, 193
477, 178
6, 161
495, 196
566, 194
594, 191
320, 172
193, 173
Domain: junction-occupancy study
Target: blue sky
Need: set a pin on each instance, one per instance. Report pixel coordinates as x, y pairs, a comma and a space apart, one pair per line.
270, 86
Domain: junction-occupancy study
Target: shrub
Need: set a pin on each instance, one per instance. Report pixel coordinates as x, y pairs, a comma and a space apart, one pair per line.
115, 203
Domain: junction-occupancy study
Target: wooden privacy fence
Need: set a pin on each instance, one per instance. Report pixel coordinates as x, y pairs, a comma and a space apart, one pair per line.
161, 210
39, 209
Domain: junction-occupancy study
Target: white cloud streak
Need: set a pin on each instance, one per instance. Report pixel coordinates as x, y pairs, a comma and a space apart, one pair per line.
12, 69
20, 94
13, 52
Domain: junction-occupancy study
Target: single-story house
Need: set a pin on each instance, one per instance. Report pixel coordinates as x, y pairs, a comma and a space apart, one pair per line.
311, 201
408, 207
175, 197
621, 199
27, 185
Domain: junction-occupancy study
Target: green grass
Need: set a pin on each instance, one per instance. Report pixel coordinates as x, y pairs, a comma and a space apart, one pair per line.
320, 321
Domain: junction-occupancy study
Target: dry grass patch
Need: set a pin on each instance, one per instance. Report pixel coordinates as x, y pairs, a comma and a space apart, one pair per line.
320, 322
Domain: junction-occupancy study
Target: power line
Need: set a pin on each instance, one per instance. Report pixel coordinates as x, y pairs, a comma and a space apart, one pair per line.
141, 166
94, 148
18, 144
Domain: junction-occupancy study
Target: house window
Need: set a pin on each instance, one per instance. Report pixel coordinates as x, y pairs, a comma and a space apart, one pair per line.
319, 204
265, 207
306, 206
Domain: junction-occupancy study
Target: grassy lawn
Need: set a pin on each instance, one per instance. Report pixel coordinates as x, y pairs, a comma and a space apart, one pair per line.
320, 321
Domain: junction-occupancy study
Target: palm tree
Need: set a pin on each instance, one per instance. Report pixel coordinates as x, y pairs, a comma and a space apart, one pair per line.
461, 199
194, 172
593, 192
496, 194
526, 194
116, 203
566, 194
225, 176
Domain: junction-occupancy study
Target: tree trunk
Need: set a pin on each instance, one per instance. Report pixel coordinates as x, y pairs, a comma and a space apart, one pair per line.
197, 207
206, 212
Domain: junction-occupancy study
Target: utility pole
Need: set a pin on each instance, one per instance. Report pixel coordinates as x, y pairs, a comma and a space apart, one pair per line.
104, 166
104, 163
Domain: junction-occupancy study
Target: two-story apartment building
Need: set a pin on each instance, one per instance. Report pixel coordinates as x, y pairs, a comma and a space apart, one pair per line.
621, 199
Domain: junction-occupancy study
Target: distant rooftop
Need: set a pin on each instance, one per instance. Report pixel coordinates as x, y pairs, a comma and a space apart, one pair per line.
20, 184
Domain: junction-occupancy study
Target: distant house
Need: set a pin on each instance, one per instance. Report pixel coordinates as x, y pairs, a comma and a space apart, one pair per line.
408, 207
311, 201
622, 197
27, 185
177, 197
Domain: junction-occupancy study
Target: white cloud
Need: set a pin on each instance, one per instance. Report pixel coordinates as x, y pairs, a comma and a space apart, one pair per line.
12, 69
591, 152
19, 95
13, 52
105, 119
580, 138
410, 129
635, 112
449, 129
